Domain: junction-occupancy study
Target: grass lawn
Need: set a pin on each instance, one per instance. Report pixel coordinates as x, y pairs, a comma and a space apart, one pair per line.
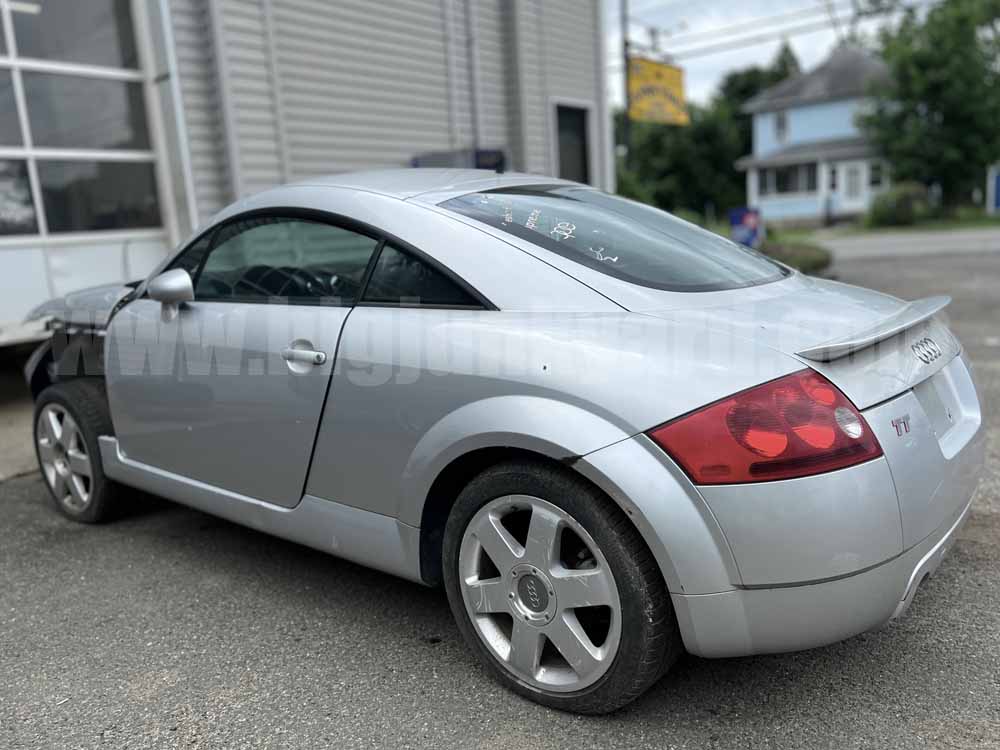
794, 247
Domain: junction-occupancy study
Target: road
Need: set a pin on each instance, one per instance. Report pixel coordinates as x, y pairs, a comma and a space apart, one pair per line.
170, 628
909, 242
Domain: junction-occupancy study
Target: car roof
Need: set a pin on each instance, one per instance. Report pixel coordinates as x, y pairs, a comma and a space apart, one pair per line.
412, 182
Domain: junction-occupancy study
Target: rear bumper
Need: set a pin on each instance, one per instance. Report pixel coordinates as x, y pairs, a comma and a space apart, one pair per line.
790, 565
791, 618
828, 557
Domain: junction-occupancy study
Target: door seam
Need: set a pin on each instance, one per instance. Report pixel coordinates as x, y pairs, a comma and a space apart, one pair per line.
326, 399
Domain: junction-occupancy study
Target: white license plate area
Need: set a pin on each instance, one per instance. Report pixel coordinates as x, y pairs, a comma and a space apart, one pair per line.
949, 400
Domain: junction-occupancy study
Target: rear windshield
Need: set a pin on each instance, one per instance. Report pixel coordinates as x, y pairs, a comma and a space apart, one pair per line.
621, 238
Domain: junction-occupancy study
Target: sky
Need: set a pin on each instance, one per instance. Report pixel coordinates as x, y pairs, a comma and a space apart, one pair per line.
700, 23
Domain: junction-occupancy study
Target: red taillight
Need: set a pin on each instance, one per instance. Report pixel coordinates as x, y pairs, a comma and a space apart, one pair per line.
795, 426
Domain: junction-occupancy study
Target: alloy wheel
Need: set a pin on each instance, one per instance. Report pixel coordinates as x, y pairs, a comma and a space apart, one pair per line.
540, 593
62, 453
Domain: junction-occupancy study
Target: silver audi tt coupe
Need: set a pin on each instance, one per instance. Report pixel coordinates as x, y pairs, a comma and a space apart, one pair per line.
610, 435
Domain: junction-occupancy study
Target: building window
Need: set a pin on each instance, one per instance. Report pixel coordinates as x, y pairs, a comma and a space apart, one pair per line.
780, 126
92, 32
17, 213
810, 177
795, 178
82, 196
833, 177
764, 181
875, 174
10, 127
84, 113
77, 152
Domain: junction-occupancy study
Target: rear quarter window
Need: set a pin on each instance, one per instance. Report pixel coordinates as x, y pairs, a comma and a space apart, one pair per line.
619, 237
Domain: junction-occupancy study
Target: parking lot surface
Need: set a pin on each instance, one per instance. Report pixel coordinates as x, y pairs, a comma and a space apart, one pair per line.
170, 628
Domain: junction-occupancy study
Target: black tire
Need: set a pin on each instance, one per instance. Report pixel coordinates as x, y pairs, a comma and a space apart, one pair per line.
650, 641
86, 401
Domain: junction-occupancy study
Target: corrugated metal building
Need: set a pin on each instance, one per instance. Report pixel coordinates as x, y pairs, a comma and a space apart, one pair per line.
124, 124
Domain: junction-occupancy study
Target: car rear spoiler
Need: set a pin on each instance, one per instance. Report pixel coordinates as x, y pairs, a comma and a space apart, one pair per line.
907, 317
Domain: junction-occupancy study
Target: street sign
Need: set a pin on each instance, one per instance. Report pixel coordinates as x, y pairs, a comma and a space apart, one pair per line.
656, 92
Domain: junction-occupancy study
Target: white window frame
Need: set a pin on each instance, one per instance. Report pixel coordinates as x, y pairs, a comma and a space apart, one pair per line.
31, 155
594, 164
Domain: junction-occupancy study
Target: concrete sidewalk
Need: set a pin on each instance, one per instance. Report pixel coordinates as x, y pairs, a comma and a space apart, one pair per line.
17, 453
908, 243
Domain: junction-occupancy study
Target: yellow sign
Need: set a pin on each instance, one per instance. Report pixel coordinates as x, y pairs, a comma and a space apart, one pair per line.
656, 92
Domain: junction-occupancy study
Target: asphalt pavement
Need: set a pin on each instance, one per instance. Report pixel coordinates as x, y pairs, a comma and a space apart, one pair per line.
909, 243
170, 628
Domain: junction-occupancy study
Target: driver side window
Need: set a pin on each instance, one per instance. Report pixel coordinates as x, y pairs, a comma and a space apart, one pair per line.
271, 258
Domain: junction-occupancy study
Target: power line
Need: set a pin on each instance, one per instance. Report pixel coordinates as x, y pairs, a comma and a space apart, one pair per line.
833, 18
659, 5
687, 38
787, 32
750, 41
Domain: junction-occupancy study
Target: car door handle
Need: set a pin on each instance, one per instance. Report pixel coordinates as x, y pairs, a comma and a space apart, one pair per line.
303, 355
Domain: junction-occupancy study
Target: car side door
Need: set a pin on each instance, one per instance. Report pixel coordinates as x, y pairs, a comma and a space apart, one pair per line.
228, 389
398, 375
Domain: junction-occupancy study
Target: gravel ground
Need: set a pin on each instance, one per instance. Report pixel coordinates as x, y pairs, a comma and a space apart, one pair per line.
170, 628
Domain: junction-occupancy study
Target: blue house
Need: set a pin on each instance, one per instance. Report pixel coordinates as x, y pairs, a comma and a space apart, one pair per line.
810, 162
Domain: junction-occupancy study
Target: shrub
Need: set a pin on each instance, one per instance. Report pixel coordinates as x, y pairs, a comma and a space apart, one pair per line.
900, 205
688, 215
804, 256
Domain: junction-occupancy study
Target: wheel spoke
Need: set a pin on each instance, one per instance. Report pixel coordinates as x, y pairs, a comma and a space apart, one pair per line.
543, 536
525, 648
582, 588
76, 491
568, 636
78, 462
59, 488
45, 450
50, 422
489, 596
502, 548
69, 432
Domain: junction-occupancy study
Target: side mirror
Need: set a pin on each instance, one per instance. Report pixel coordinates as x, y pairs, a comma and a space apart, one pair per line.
171, 287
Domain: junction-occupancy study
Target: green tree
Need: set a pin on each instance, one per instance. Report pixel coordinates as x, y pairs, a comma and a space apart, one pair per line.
692, 167
740, 86
936, 119
785, 64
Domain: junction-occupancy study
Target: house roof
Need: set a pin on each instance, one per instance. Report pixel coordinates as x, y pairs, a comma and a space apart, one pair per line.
803, 153
846, 73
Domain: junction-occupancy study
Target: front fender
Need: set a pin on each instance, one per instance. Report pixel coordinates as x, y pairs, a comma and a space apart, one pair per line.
551, 428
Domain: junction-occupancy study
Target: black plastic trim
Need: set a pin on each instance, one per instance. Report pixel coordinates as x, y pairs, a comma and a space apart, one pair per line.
344, 222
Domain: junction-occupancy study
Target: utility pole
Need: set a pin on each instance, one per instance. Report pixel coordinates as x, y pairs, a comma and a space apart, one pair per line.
626, 126
834, 20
